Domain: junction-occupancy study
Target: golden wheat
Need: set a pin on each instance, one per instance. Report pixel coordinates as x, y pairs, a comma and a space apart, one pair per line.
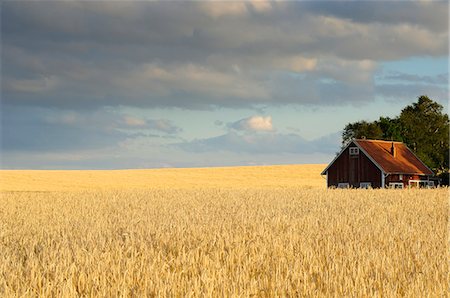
287, 241
227, 177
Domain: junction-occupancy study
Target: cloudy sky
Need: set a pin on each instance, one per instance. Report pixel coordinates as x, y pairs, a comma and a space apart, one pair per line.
100, 85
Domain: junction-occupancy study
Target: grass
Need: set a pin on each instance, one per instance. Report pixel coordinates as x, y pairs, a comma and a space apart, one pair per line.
204, 238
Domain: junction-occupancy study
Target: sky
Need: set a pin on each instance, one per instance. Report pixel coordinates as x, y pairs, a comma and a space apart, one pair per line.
112, 85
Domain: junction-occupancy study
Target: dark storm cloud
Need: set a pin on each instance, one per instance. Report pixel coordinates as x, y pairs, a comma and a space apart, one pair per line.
197, 55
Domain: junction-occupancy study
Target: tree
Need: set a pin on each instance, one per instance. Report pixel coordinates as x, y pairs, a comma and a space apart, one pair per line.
422, 126
359, 130
391, 129
425, 129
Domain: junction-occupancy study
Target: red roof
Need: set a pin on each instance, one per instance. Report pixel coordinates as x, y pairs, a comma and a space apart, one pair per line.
403, 161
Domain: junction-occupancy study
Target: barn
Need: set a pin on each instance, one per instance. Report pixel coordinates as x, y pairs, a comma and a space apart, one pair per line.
375, 163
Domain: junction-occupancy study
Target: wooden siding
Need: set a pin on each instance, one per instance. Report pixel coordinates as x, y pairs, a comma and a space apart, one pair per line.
405, 178
353, 170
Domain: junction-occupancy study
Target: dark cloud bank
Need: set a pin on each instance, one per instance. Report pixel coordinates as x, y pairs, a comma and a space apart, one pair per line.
199, 54
69, 67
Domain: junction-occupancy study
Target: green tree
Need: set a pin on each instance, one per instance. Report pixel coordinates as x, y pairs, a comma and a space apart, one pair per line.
422, 126
359, 130
391, 129
425, 129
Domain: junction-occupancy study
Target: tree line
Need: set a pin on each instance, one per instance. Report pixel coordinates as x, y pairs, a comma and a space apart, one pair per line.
422, 126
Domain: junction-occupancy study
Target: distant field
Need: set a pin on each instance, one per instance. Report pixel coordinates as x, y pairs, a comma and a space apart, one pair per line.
226, 177
250, 231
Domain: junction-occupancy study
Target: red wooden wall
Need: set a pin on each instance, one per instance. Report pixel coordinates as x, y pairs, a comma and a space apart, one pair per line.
353, 170
404, 180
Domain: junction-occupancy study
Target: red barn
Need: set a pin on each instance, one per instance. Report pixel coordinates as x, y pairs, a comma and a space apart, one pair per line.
375, 163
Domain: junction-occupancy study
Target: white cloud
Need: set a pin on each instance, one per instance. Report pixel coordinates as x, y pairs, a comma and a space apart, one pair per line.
134, 121
260, 123
350, 71
295, 63
164, 125
254, 123
161, 125
220, 9
261, 5
192, 78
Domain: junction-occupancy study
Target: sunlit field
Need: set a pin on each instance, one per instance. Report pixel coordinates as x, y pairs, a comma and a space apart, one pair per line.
249, 231
227, 177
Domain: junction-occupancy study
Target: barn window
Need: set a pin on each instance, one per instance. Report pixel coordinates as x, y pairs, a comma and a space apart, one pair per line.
395, 185
365, 185
343, 185
354, 151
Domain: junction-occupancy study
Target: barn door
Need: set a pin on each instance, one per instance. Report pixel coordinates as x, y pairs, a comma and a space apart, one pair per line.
353, 171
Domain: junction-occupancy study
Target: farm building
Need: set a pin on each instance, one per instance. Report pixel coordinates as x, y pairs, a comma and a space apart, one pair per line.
375, 163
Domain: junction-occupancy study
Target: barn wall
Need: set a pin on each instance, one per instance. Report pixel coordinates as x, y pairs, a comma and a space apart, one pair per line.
405, 178
346, 169
369, 172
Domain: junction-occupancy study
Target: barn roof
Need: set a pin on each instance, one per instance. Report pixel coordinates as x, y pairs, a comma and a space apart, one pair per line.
403, 162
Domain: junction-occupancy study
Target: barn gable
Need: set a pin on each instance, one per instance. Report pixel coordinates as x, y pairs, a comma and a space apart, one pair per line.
353, 166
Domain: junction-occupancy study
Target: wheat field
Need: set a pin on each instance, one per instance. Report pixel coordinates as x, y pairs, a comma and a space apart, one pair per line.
224, 178
235, 232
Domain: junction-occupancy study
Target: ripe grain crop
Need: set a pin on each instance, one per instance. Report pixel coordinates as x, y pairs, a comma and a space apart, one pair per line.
223, 178
241, 241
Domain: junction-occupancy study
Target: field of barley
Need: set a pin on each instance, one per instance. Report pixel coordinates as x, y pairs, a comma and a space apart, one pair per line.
247, 231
